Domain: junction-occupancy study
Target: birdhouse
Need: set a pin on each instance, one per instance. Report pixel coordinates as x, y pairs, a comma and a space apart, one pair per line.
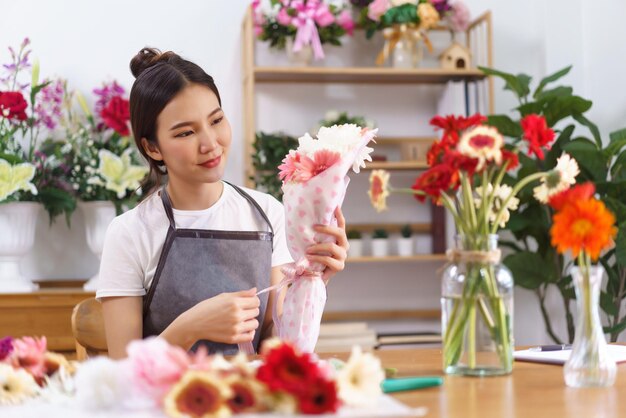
455, 57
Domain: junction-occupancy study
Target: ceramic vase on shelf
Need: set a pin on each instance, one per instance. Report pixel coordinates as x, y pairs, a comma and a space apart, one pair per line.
477, 309
589, 364
355, 248
405, 246
301, 58
98, 216
17, 237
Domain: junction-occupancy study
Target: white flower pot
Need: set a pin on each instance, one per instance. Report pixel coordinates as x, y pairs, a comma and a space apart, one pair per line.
356, 248
380, 247
405, 246
301, 58
17, 237
98, 216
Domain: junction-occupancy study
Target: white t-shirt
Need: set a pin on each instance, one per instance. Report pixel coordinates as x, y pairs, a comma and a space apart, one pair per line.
135, 239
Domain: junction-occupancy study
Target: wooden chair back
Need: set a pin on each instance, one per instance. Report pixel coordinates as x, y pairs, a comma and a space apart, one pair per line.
88, 329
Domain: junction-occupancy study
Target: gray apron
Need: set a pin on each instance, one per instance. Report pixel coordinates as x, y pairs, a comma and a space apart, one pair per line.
197, 264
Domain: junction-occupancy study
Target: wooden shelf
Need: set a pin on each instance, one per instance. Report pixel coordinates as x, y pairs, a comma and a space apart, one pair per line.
387, 140
397, 258
381, 315
362, 75
395, 165
417, 228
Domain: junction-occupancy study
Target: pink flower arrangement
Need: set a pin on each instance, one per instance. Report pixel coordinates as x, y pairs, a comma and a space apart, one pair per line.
29, 354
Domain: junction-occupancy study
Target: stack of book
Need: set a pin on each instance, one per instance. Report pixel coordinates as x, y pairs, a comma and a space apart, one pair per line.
414, 339
342, 336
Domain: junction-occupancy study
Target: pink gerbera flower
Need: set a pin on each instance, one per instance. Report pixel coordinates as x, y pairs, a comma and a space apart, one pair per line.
29, 354
289, 166
308, 168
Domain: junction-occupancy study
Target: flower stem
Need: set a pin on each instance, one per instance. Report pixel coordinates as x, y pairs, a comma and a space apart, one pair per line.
519, 186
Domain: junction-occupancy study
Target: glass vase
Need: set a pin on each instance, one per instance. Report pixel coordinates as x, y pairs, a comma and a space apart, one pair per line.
477, 309
589, 364
407, 52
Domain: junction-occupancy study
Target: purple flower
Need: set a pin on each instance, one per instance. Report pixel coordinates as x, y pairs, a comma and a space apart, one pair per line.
49, 105
106, 93
6, 347
441, 6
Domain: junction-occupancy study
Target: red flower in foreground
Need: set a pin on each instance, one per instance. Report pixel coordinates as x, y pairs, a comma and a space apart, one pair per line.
458, 161
510, 157
116, 115
435, 181
537, 133
579, 192
13, 105
319, 397
452, 123
284, 369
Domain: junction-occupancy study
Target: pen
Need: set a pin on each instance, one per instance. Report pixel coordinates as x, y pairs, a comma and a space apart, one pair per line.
553, 347
410, 383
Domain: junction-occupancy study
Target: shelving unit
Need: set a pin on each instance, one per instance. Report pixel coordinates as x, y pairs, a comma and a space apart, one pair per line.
478, 39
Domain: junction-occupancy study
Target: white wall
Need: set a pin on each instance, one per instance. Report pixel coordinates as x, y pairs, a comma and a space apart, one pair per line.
88, 42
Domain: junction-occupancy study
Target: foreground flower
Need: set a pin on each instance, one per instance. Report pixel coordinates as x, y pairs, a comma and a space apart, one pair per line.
16, 385
343, 138
359, 379
559, 179
101, 383
119, 172
537, 133
6, 347
116, 115
29, 354
285, 369
435, 181
13, 105
319, 397
307, 168
248, 394
15, 178
198, 395
483, 143
501, 195
579, 192
379, 189
583, 225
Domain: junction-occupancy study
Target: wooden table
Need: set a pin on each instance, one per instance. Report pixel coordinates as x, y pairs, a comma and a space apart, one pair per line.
533, 390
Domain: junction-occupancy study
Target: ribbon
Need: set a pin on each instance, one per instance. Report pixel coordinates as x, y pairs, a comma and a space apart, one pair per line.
492, 256
307, 33
408, 33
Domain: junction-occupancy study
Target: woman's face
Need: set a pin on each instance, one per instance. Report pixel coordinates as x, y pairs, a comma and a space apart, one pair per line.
193, 135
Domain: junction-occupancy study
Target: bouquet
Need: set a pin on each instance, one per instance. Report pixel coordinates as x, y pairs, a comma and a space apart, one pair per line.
314, 185
468, 176
334, 117
30, 109
308, 22
100, 151
157, 376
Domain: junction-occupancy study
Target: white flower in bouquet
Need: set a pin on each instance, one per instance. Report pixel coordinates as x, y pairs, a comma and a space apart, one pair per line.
559, 179
119, 172
16, 177
16, 385
359, 379
396, 3
268, 9
343, 138
501, 195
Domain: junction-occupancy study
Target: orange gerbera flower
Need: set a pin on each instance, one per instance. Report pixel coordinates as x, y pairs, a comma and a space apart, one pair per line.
583, 225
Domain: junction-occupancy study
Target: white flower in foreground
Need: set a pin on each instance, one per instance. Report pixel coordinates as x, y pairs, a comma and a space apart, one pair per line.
359, 380
500, 195
99, 383
483, 143
119, 173
16, 385
16, 177
557, 180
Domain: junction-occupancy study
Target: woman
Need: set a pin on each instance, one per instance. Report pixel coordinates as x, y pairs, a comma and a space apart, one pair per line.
187, 262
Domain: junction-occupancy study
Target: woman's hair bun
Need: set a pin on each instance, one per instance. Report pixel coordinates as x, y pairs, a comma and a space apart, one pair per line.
147, 58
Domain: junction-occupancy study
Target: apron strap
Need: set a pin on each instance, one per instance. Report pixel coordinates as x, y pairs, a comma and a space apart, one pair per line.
167, 204
253, 203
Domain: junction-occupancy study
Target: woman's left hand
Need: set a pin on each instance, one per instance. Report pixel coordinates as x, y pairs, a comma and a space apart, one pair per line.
331, 254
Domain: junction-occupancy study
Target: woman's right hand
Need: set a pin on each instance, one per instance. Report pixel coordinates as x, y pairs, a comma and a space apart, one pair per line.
229, 318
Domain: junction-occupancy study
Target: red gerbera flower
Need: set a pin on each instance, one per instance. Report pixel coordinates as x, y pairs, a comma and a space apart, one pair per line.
116, 115
458, 161
580, 192
510, 157
452, 123
13, 105
537, 133
435, 181
284, 369
319, 397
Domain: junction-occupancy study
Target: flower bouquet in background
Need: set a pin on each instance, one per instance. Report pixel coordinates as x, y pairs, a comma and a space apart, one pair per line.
583, 225
334, 117
30, 111
306, 23
104, 164
314, 185
467, 169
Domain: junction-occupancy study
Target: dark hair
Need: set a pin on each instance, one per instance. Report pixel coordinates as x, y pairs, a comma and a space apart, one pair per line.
159, 77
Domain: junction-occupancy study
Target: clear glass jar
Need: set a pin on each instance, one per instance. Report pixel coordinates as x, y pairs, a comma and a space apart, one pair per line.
477, 309
589, 364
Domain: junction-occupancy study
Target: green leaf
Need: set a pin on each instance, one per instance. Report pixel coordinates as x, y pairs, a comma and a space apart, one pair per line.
532, 107
618, 168
606, 303
561, 107
505, 125
589, 124
549, 79
589, 158
530, 270
11, 159
519, 84
557, 147
561, 91
617, 328
616, 206
620, 244
616, 143
56, 202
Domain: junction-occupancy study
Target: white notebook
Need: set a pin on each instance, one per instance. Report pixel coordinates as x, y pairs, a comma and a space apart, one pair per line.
618, 352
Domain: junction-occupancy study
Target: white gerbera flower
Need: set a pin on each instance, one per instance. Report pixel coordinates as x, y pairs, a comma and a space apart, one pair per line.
359, 380
99, 383
559, 179
16, 385
500, 194
483, 143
